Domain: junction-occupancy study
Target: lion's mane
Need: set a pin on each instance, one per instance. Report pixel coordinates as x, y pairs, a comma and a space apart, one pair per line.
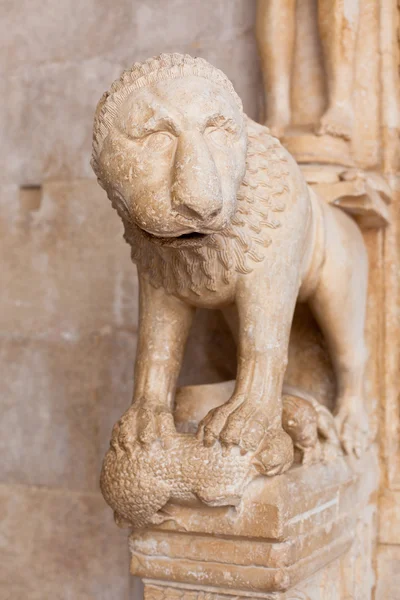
237, 248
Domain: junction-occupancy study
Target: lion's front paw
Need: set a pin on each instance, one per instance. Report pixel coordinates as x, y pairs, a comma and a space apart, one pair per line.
241, 423
236, 423
352, 424
143, 423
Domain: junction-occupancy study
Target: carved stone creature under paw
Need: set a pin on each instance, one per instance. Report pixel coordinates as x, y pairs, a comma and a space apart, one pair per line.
311, 427
138, 480
140, 477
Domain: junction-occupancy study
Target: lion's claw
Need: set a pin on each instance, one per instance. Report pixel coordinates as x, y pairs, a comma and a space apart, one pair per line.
234, 424
246, 425
353, 427
143, 424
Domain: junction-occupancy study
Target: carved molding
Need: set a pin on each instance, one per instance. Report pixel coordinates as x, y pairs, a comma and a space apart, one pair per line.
161, 592
365, 195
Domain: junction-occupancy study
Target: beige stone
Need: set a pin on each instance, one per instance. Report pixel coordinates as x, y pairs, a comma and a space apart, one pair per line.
312, 530
62, 390
195, 247
80, 389
388, 572
59, 544
338, 24
65, 268
55, 71
321, 74
286, 529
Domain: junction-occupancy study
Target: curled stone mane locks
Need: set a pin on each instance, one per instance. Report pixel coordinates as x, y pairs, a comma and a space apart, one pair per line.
240, 245
163, 67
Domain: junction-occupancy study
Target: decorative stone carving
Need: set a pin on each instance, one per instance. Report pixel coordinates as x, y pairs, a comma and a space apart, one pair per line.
338, 26
365, 195
218, 215
310, 424
318, 74
290, 538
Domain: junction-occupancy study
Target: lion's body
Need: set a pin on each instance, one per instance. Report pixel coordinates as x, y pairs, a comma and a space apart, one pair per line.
218, 215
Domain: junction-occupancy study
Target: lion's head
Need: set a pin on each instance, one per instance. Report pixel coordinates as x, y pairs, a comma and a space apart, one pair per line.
195, 181
170, 147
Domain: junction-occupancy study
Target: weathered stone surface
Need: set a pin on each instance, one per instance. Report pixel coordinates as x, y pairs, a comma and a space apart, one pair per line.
389, 517
388, 572
66, 270
59, 402
58, 320
60, 545
50, 90
141, 26
285, 529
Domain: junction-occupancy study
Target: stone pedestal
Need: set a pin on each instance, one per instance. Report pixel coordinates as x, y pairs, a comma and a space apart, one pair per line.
303, 535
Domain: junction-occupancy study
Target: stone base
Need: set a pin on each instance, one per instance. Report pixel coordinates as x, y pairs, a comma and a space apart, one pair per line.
288, 532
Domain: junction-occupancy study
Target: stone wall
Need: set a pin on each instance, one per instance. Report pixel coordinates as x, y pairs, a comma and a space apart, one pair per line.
68, 315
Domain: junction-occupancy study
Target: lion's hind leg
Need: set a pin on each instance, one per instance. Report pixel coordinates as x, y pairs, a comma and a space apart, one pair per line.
339, 304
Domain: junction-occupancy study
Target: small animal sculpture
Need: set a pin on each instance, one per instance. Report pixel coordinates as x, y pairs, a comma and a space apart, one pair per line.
218, 215
310, 425
138, 480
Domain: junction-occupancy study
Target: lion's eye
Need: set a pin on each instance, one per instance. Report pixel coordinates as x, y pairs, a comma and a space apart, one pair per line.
218, 135
158, 141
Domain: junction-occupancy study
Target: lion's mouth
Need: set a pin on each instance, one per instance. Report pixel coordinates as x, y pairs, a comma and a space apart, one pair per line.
193, 235
193, 238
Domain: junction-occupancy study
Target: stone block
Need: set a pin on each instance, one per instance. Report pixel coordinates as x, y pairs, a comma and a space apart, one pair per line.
82, 31
66, 270
388, 572
60, 545
286, 529
389, 517
60, 401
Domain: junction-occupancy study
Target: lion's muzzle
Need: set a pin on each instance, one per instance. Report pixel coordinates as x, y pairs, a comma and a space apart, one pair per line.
196, 189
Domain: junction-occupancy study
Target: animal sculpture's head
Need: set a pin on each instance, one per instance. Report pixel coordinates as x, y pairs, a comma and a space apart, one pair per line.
169, 147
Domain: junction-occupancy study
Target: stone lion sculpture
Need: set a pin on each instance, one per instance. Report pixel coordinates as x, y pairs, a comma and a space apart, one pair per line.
218, 215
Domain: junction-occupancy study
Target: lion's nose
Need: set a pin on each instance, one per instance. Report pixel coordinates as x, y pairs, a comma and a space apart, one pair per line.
196, 190
196, 212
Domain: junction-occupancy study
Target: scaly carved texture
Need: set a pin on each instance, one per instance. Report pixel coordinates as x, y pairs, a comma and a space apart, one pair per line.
138, 483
